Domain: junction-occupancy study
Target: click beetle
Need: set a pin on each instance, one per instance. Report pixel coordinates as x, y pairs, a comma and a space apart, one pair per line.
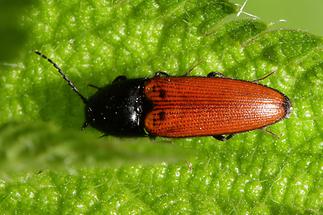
181, 106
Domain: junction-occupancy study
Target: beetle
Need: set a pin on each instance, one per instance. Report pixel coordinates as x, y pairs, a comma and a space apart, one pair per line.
181, 106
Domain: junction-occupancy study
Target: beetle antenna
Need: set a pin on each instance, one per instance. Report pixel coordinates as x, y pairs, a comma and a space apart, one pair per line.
69, 82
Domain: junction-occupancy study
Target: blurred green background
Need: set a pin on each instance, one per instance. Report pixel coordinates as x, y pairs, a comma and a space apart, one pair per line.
301, 14
13, 34
305, 15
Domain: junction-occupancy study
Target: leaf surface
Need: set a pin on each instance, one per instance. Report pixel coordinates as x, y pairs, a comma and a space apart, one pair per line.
48, 164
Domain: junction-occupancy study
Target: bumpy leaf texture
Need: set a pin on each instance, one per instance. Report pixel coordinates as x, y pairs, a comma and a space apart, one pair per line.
49, 166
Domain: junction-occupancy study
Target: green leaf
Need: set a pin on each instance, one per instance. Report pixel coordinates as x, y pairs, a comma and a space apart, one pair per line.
49, 165
26, 147
12, 34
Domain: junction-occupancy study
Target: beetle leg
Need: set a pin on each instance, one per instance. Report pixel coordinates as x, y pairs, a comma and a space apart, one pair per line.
215, 75
93, 86
192, 68
85, 124
271, 133
161, 74
119, 78
223, 137
264, 77
151, 136
103, 135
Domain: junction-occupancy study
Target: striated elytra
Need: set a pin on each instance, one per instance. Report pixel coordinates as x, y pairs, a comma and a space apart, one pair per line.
181, 106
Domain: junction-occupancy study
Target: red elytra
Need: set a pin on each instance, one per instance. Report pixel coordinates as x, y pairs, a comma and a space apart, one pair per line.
201, 106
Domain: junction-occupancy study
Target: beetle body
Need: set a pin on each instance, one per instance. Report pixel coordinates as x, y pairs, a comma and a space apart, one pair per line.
184, 107
181, 106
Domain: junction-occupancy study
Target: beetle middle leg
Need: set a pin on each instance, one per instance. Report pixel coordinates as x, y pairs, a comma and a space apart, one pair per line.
223, 137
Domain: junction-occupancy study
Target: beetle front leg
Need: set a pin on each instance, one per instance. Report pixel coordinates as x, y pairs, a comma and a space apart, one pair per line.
93, 86
85, 125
